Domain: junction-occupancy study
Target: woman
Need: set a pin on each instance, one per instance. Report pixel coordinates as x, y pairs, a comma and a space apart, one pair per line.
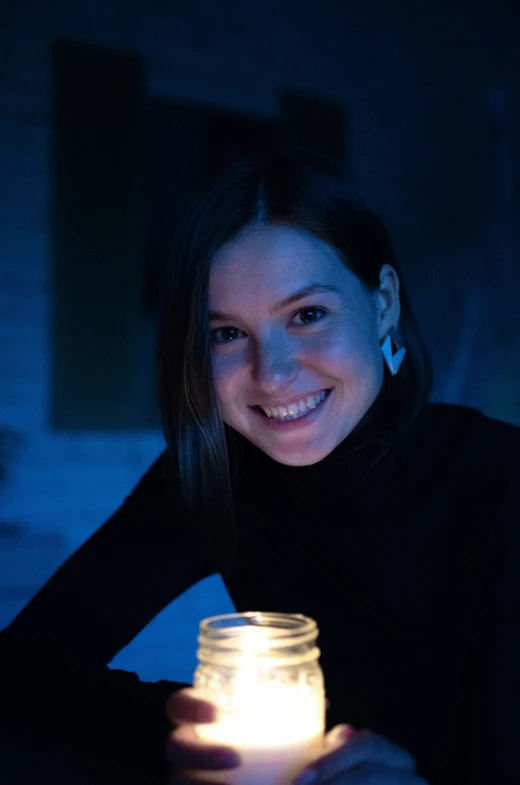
305, 465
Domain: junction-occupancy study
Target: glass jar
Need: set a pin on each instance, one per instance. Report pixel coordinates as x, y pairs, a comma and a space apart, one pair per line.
261, 670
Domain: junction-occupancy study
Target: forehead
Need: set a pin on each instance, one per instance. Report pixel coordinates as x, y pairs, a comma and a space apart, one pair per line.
272, 261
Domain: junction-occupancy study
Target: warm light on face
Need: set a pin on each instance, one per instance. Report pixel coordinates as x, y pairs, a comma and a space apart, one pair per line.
278, 354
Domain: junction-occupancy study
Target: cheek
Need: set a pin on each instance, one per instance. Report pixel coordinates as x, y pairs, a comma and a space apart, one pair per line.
347, 349
227, 372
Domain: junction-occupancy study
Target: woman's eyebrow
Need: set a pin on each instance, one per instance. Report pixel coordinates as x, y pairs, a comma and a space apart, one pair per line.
312, 288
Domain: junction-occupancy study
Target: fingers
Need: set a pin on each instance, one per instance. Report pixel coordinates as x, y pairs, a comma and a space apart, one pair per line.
337, 737
189, 755
364, 746
362, 749
185, 706
184, 750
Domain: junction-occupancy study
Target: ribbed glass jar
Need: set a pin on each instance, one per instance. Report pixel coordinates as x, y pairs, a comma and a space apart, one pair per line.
262, 672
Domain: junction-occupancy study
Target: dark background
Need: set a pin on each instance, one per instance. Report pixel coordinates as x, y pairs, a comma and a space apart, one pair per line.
111, 113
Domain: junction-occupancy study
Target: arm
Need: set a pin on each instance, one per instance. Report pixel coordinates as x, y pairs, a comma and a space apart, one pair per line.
53, 657
495, 672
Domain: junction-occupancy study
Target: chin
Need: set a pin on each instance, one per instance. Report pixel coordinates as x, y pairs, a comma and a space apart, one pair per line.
301, 461
302, 457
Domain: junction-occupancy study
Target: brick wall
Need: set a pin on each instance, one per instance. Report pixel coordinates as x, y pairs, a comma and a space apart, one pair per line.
422, 148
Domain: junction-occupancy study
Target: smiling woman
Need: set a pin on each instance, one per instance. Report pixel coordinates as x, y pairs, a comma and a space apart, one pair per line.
306, 465
278, 362
300, 284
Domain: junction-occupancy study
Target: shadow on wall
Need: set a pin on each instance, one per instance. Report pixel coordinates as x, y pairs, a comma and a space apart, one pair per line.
124, 164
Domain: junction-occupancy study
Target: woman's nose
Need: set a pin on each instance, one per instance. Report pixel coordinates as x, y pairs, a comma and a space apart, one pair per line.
274, 365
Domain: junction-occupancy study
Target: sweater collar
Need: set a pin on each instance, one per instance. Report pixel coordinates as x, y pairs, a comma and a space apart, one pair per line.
360, 463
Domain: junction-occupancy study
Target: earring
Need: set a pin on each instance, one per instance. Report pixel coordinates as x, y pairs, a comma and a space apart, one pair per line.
393, 352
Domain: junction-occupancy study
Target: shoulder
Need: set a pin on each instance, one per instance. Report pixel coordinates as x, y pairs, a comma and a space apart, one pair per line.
466, 430
471, 420
468, 467
158, 482
461, 451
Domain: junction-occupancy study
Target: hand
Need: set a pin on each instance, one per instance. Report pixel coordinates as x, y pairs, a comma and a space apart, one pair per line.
184, 750
360, 758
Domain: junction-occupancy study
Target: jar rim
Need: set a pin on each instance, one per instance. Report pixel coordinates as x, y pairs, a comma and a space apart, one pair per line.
284, 628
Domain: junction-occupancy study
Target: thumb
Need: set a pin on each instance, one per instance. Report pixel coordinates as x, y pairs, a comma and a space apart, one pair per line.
337, 737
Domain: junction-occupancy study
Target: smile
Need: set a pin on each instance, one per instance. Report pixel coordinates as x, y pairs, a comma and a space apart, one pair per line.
283, 416
294, 411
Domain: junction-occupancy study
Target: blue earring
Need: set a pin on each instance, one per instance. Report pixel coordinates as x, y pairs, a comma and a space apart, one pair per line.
393, 352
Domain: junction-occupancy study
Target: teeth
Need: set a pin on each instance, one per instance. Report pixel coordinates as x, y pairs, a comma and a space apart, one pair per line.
295, 410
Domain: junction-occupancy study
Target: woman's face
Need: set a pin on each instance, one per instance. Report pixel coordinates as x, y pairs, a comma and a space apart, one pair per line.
314, 358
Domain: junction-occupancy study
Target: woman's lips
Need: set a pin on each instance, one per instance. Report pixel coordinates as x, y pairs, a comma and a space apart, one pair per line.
293, 400
289, 425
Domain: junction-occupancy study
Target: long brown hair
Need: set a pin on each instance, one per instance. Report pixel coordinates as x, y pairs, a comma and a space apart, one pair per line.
289, 188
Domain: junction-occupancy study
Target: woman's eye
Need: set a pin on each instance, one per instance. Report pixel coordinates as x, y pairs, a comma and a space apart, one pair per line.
311, 314
225, 334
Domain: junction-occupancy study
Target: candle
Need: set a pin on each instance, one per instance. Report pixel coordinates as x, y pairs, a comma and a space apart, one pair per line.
262, 672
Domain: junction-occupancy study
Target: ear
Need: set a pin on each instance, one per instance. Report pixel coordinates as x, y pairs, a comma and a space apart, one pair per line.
388, 303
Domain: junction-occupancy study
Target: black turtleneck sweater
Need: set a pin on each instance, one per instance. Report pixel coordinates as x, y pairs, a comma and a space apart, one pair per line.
411, 568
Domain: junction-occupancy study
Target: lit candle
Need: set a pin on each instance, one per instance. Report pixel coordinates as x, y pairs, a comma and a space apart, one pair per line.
262, 672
